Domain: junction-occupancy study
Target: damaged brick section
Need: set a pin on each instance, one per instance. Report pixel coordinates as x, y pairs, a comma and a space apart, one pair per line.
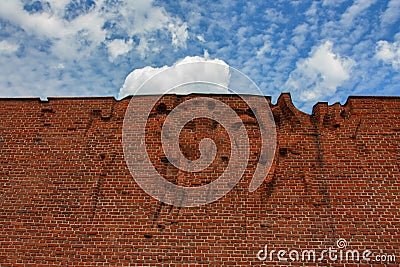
67, 197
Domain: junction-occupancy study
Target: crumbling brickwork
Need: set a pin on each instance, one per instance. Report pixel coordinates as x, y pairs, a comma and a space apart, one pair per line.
68, 198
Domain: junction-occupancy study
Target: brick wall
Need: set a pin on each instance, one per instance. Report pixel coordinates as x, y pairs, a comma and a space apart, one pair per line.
68, 198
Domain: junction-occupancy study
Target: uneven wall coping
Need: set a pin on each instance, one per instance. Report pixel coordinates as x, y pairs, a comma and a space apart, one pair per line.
284, 99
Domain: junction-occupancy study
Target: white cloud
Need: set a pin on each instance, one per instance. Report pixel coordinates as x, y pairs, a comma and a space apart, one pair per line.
66, 36
355, 10
136, 78
38, 76
141, 16
312, 11
143, 47
300, 34
118, 47
201, 38
274, 16
192, 72
392, 13
389, 53
7, 48
43, 24
319, 76
332, 2
179, 34
266, 45
81, 35
206, 54
264, 49
59, 5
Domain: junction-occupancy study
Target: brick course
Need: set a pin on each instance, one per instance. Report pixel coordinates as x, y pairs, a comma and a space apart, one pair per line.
68, 198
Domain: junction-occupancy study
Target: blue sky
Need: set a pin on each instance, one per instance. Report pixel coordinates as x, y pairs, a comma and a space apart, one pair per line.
317, 50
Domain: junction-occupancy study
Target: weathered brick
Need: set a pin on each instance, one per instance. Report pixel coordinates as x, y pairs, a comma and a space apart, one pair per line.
68, 198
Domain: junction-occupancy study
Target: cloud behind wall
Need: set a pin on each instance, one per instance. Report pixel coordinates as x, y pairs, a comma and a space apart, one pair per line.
319, 75
212, 73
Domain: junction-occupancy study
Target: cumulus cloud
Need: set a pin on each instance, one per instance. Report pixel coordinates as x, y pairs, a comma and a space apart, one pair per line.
192, 72
136, 78
318, 76
8, 48
389, 53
